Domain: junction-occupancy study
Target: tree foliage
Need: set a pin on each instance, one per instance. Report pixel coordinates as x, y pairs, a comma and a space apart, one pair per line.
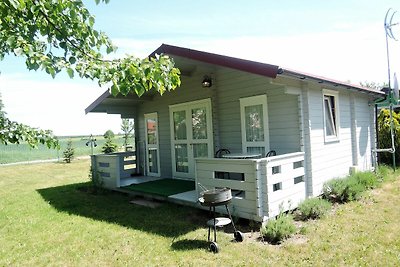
384, 137
14, 133
127, 127
55, 35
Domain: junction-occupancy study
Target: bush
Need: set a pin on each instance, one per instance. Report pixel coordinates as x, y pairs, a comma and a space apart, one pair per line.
313, 208
368, 179
109, 146
385, 139
276, 230
69, 152
350, 188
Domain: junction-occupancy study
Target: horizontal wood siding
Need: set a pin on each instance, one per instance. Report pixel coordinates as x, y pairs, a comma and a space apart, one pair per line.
190, 90
283, 112
334, 159
364, 115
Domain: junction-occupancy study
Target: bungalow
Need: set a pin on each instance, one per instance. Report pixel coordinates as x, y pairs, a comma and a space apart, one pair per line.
315, 129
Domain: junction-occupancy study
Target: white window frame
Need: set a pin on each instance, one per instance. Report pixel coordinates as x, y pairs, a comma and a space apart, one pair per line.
251, 101
335, 118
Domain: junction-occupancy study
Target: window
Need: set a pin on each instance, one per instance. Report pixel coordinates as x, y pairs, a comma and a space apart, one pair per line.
331, 113
254, 122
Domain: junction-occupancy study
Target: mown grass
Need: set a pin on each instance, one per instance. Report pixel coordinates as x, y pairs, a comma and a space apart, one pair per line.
18, 153
47, 218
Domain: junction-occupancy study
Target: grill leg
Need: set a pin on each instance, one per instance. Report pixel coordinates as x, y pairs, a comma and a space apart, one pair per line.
230, 217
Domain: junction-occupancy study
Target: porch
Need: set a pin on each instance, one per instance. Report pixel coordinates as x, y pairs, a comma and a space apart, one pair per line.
261, 187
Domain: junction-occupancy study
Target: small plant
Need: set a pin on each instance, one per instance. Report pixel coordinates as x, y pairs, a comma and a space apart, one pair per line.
96, 182
276, 230
69, 152
109, 146
368, 179
313, 208
349, 188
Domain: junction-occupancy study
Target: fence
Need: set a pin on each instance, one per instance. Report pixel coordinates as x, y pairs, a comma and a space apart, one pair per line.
260, 187
13, 153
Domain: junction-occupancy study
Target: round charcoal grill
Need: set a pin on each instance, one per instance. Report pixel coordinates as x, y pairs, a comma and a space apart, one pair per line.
213, 198
216, 197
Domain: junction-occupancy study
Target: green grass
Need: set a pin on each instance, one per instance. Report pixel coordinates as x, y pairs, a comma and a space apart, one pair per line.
48, 218
16, 153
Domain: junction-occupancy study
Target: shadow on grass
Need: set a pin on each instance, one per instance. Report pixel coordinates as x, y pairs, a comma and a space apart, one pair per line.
167, 220
187, 244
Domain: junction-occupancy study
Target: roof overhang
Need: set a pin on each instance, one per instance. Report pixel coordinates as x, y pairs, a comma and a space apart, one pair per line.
332, 82
107, 103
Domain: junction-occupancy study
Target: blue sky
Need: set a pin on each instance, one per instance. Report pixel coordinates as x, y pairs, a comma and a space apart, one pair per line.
342, 39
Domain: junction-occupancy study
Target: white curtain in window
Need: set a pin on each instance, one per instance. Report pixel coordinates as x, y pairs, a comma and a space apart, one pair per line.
254, 121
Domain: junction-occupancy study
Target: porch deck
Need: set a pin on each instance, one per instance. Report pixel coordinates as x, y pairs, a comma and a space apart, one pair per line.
166, 189
262, 187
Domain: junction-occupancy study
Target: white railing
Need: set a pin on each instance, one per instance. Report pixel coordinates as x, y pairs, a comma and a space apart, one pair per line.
260, 187
114, 167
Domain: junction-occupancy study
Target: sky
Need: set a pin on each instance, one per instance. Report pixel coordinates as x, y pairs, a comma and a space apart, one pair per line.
342, 39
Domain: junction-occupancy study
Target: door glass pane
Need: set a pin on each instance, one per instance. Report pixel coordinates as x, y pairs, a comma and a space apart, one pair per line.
199, 123
153, 160
181, 158
151, 131
179, 125
254, 120
200, 150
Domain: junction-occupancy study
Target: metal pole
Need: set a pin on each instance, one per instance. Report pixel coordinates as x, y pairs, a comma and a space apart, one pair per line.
392, 135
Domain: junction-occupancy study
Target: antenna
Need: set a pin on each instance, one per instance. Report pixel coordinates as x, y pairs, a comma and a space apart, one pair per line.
389, 24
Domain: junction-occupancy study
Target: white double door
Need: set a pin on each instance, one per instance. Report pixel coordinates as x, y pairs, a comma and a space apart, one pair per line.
191, 136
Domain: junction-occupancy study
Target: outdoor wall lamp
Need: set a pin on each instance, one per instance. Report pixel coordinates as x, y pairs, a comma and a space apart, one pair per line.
207, 81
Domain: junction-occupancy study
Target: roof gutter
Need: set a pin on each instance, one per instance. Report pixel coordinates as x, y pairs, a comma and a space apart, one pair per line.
335, 83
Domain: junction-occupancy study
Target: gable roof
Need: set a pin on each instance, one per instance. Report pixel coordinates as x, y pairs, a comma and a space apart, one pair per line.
263, 69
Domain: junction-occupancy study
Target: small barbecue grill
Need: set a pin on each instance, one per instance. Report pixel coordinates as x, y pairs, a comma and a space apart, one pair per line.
213, 198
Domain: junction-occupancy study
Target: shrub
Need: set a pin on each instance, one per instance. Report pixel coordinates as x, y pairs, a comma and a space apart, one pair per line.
350, 188
69, 152
385, 139
368, 179
313, 208
109, 146
276, 230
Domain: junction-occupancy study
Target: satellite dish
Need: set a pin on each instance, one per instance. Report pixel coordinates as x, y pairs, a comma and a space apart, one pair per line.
389, 23
395, 87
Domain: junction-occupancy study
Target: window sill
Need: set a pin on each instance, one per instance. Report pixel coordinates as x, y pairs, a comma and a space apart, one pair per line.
331, 139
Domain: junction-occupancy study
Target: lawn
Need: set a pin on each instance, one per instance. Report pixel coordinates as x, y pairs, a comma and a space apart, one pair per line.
47, 217
16, 153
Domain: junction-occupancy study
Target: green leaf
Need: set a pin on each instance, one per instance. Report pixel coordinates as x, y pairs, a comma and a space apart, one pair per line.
72, 60
70, 73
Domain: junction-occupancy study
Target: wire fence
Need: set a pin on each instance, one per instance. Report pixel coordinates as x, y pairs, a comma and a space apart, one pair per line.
13, 153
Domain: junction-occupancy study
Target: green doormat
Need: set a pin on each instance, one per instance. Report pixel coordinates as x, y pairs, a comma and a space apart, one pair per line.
163, 187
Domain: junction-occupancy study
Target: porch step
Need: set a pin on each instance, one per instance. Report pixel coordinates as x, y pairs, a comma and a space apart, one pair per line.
189, 198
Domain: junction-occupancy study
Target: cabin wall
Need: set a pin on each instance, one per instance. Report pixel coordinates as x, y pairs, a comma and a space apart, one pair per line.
190, 90
228, 87
283, 112
352, 150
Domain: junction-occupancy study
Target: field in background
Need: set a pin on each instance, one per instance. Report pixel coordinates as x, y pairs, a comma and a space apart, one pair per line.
20, 153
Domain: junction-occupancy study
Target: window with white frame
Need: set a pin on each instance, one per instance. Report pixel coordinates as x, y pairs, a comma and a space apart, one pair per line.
331, 115
254, 124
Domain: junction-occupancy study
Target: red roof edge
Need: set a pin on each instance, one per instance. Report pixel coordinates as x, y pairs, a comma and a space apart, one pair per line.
254, 67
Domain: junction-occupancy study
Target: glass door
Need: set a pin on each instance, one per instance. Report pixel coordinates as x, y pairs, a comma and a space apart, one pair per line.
152, 148
191, 135
254, 124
